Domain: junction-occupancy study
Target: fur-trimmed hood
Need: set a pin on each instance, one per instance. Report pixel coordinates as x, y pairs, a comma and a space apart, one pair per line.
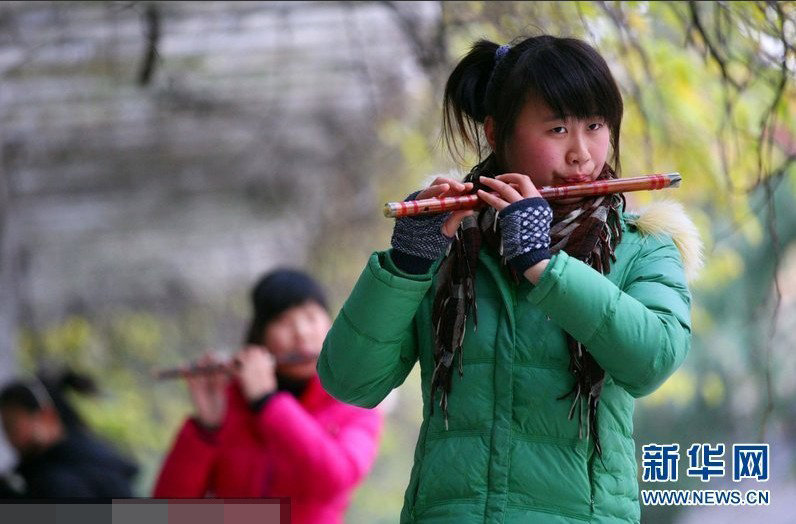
667, 217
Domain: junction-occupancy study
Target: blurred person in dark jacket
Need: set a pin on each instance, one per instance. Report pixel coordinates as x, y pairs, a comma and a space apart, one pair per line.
58, 456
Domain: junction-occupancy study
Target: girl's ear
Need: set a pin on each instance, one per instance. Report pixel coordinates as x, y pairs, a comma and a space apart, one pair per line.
489, 131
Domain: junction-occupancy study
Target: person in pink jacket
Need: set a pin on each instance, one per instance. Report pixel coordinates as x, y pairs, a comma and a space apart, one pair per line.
272, 430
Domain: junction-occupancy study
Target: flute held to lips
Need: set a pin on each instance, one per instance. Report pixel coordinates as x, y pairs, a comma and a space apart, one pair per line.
227, 365
435, 205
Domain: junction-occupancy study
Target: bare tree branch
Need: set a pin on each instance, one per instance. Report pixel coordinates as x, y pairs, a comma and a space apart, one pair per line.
697, 24
152, 21
430, 53
617, 17
768, 406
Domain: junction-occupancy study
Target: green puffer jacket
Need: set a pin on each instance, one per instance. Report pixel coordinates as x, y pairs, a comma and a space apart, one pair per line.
510, 454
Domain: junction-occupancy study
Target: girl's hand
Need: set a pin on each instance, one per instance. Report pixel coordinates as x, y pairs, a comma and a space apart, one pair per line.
256, 371
447, 187
509, 188
418, 241
524, 218
208, 393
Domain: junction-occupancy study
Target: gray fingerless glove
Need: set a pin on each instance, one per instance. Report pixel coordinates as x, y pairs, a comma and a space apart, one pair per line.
418, 241
525, 230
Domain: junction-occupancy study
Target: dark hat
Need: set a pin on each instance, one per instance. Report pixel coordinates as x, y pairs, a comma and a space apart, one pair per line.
275, 293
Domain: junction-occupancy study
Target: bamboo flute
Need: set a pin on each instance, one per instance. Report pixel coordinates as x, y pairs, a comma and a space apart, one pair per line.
436, 205
227, 366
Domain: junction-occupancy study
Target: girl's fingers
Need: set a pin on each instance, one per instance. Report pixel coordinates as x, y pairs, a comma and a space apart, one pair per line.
452, 223
522, 182
505, 190
454, 184
460, 189
443, 187
493, 200
433, 191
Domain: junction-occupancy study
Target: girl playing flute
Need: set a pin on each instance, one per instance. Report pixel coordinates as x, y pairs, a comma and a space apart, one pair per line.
272, 431
580, 307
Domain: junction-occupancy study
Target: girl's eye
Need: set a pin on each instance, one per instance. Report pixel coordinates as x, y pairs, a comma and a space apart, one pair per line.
560, 130
595, 126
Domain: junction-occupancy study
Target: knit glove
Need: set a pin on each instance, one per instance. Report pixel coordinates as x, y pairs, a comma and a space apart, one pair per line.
525, 230
418, 241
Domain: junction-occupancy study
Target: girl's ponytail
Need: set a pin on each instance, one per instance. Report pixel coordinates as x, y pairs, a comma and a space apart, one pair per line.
69, 379
464, 103
59, 380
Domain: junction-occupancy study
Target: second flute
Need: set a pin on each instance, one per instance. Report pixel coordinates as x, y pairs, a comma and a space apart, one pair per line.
226, 365
435, 205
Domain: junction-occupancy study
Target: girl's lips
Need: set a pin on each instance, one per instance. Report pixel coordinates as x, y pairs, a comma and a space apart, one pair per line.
573, 180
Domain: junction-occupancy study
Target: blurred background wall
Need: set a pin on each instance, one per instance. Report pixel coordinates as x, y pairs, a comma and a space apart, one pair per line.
156, 157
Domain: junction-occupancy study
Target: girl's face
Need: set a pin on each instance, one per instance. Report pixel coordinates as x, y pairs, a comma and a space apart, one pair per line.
552, 149
29, 432
299, 330
19, 426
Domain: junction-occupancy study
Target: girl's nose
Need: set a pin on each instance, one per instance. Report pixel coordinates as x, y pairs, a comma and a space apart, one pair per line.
578, 153
302, 333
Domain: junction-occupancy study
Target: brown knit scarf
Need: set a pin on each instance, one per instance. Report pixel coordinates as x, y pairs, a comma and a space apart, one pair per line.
588, 230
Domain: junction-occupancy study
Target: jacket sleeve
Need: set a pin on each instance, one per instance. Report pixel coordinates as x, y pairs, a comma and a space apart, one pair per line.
187, 469
639, 336
372, 346
63, 483
325, 462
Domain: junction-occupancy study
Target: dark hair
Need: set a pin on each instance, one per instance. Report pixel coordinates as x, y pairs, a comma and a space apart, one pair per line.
47, 389
566, 73
275, 293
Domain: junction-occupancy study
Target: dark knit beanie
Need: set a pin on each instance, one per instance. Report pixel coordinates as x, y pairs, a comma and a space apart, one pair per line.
275, 293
